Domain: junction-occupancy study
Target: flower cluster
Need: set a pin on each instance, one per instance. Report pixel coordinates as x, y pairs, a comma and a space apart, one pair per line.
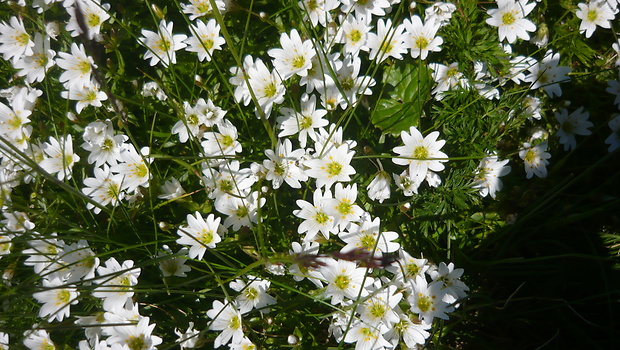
258, 180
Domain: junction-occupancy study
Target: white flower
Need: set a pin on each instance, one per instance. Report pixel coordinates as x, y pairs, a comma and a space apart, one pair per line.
267, 86
353, 33
301, 271
422, 154
15, 42
315, 218
454, 288
188, 339
115, 283
4, 341
295, 56
241, 211
171, 189
199, 8
135, 336
56, 300
379, 187
548, 75
387, 42
78, 67
344, 280
576, 123
253, 295
226, 318
426, 300
367, 336
447, 78
93, 13
509, 17
60, 157
317, 11
132, 168
413, 334
283, 165
205, 39
162, 46
199, 234
420, 37
38, 340
79, 261
304, 122
87, 95
367, 237
406, 268
104, 188
440, 12
488, 173
535, 159
35, 66
221, 143
331, 167
365, 8
342, 207
595, 13
381, 306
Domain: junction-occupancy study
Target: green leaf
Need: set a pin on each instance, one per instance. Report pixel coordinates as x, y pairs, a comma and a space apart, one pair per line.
405, 102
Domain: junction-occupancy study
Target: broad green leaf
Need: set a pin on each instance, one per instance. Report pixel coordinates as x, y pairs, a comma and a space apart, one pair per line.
404, 104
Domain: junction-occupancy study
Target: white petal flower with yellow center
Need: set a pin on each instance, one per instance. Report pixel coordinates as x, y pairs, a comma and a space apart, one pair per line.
535, 159
200, 234
205, 39
60, 157
421, 154
510, 19
595, 13
162, 45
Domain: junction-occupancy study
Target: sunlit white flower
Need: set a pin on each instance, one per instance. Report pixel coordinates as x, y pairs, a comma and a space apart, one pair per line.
135, 336
344, 280
353, 33
367, 237
295, 56
367, 336
93, 14
189, 338
56, 300
200, 234
488, 173
304, 122
241, 211
15, 42
283, 165
60, 157
447, 78
333, 166
421, 154
379, 187
104, 188
318, 11
38, 340
35, 66
421, 38
205, 39
510, 19
132, 167
227, 319
365, 8
315, 216
87, 95
427, 301
535, 159
412, 334
301, 271
342, 207
267, 86
115, 283
77, 65
595, 13
252, 295
199, 8
79, 260
381, 306
162, 45
389, 41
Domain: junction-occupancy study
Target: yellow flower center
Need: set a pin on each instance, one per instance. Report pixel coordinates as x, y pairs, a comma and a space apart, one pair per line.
299, 61
421, 42
334, 168
136, 343
592, 15
424, 303
420, 152
355, 35
508, 18
342, 282
321, 217
206, 237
